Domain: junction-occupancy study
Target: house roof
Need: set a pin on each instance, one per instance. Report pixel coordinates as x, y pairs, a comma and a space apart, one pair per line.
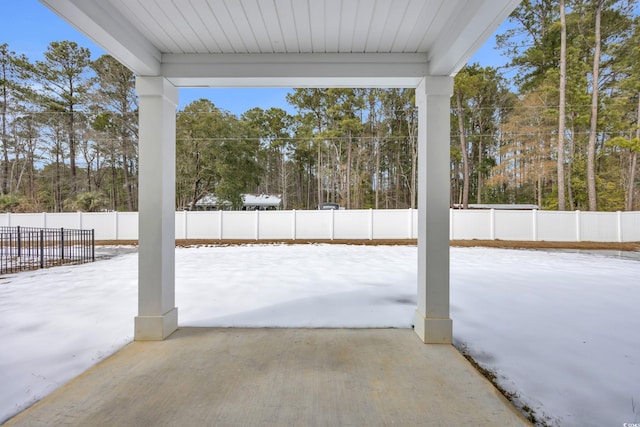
289, 43
248, 199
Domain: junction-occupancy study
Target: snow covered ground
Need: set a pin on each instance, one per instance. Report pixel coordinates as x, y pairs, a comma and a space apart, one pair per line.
559, 329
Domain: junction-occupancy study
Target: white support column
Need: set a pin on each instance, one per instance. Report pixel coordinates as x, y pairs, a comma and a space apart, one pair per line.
432, 322
157, 315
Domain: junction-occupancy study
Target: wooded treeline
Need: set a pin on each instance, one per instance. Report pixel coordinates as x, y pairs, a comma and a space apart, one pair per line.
559, 126
68, 132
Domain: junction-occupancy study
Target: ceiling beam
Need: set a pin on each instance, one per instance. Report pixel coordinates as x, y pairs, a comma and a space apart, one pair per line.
295, 70
464, 26
474, 23
110, 30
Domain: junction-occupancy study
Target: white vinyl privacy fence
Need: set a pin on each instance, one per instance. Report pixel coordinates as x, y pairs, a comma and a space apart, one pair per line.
353, 224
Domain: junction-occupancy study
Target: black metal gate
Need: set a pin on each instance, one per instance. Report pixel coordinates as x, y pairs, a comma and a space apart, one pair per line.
27, 248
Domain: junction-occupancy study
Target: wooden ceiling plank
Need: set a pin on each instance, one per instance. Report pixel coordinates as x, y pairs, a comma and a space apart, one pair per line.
301, 15
272, 25
143, 21
442, 17
316, 22
415, 24
228, 25
184, 27
198, 31
376, 27
212, 26
287, 25
348, 19
164, 26
361, 26
253, 11
396, 15
332, 10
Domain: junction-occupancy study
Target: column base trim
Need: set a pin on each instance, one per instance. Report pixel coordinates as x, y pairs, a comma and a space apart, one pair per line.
433, 331
156, 328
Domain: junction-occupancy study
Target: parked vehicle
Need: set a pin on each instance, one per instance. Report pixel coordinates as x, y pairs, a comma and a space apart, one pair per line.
324, 206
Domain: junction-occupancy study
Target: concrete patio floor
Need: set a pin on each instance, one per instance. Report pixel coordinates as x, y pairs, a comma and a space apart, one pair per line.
278, 377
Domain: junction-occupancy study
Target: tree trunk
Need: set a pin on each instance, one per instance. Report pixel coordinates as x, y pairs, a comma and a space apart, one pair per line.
300, 187
331, 190
32, 168
414, 162
125, 163
572, 155
414, 171
360, 158
309, 182
5, 138
634, 162
539, 193
114, 191
632, 179
72, 140
283, 178
319, 173
195, 195
562, 107
591, 150
89, 176
377, 181
479, 186
348, 170
58, 187
127, 180
465, 155
398, 169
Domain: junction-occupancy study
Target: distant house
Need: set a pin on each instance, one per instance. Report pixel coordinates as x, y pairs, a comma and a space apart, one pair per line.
251, 202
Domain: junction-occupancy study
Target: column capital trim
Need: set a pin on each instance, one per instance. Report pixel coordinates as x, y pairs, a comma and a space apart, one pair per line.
435, 86
156, 86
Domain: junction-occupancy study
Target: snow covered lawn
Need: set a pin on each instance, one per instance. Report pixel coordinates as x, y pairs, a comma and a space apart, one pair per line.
559, 329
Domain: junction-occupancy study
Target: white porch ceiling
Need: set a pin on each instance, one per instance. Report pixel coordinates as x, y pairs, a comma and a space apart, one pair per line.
289, 43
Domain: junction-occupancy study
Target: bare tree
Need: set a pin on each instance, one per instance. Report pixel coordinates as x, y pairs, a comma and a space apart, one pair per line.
562, 107
593, 128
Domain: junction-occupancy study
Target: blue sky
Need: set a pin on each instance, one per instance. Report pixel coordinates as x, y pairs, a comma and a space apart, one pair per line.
29, 27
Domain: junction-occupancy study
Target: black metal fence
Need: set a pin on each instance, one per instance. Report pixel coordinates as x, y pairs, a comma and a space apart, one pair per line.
27, 248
